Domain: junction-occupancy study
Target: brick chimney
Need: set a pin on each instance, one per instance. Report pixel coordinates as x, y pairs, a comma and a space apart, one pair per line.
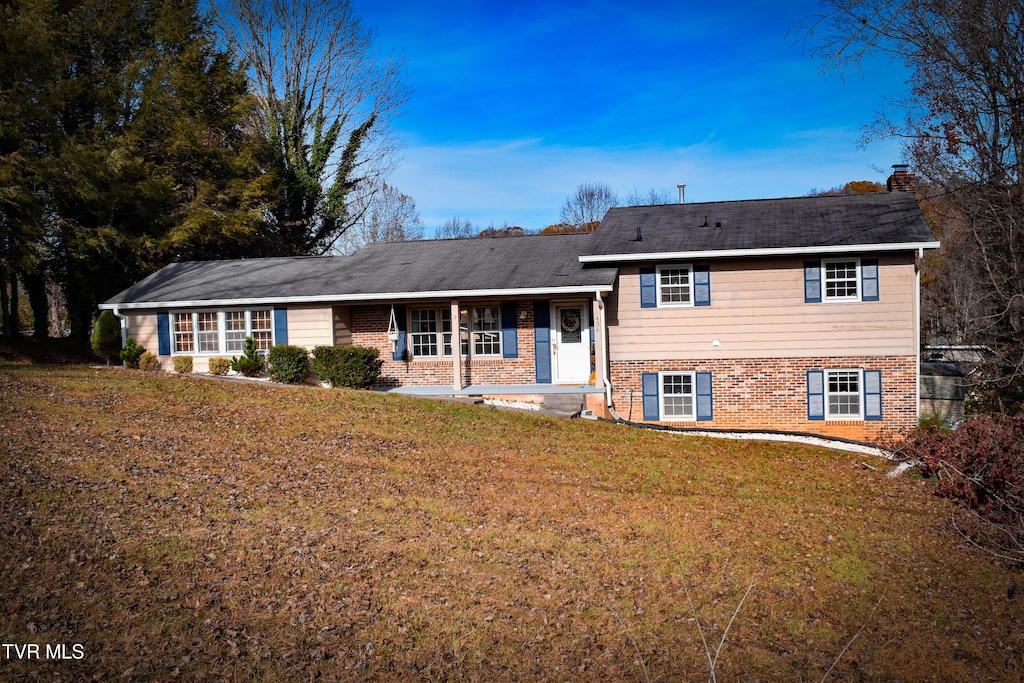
900, 180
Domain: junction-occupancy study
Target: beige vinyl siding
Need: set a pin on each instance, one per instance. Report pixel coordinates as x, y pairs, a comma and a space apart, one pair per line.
142, 326
757, 311
310, 326
342, 326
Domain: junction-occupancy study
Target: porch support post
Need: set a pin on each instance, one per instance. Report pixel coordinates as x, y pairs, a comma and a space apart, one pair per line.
456, 347
600, 353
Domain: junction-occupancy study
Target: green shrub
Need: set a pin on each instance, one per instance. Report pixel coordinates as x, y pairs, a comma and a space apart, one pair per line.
288, 364
219, 366
106, 337
183, 364
354, 367
250, 363
148, 361
131, 353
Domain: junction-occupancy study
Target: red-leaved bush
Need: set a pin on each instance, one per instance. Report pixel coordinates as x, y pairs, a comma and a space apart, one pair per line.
981, 465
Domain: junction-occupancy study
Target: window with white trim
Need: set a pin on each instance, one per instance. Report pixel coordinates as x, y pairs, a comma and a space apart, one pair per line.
675, 286
184, 333
235, 330
843, 398
261, 328
486, 331
212, 332
207, 332
423, 329
446, 332
841, 280
676, 391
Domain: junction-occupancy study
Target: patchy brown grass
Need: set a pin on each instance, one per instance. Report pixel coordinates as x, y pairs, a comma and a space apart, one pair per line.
186, 528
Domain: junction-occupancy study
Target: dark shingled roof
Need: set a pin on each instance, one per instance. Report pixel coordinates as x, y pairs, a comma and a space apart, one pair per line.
849, 220
482, 264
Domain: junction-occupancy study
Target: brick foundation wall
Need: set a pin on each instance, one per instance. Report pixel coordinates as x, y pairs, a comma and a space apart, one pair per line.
771, 393
370, 328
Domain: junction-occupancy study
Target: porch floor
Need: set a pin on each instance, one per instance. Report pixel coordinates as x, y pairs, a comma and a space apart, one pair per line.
499, 390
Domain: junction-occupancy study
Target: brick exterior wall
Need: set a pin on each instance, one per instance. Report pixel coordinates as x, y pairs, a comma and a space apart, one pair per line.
370, 328
771, 393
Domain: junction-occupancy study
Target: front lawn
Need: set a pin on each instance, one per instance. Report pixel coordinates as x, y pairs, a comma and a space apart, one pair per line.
177, 527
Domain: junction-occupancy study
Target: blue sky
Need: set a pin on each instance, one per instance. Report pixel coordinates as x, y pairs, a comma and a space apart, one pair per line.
515, 104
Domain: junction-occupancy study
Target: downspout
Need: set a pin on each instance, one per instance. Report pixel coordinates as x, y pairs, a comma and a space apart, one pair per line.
606, 361
917, 329
123, 320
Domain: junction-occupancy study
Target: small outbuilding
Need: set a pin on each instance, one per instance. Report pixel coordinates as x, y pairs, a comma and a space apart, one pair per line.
942, 392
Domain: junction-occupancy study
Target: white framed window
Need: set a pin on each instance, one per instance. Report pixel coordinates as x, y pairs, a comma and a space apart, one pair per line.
236, 329
423, 330
840, 280
184, 333
843, 395
261, 328
446, 332
212, 332
677, 395
486, 331
208, 332
675, 286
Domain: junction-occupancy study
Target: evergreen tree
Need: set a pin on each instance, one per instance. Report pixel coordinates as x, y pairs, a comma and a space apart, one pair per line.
141, 148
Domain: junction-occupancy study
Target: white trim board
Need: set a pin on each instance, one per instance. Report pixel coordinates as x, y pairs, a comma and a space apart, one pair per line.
779, 251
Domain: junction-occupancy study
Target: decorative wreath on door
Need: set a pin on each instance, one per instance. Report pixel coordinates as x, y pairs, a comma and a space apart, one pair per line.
570, 321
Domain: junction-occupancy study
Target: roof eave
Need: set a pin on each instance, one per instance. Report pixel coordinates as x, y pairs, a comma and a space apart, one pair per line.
748, 253
357, 298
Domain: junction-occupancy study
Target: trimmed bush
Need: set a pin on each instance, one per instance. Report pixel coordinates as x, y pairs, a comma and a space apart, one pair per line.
106, 337
183, 364
353, 367
288, 364
250, 363
131, 353
148, 361
219, 366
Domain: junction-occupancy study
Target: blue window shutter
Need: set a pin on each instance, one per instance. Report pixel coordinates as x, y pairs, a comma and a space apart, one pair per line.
702, 285
872, 395
650, 391
869, 279
399, 351
705, 399
648, 288
509, 333
812, 282
163, 334
542, 341
280, 325
815, 395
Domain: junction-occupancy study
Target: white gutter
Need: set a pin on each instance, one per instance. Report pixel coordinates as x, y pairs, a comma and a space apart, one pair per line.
123, 324
346, 298
781, 251
607, 364
917, 329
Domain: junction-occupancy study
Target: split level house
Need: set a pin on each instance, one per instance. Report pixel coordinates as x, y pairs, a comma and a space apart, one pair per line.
796, 314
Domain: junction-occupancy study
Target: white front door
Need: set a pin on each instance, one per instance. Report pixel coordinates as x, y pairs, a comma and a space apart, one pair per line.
570, 343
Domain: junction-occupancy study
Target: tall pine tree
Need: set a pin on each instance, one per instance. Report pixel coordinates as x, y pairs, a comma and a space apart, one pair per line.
142, 150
